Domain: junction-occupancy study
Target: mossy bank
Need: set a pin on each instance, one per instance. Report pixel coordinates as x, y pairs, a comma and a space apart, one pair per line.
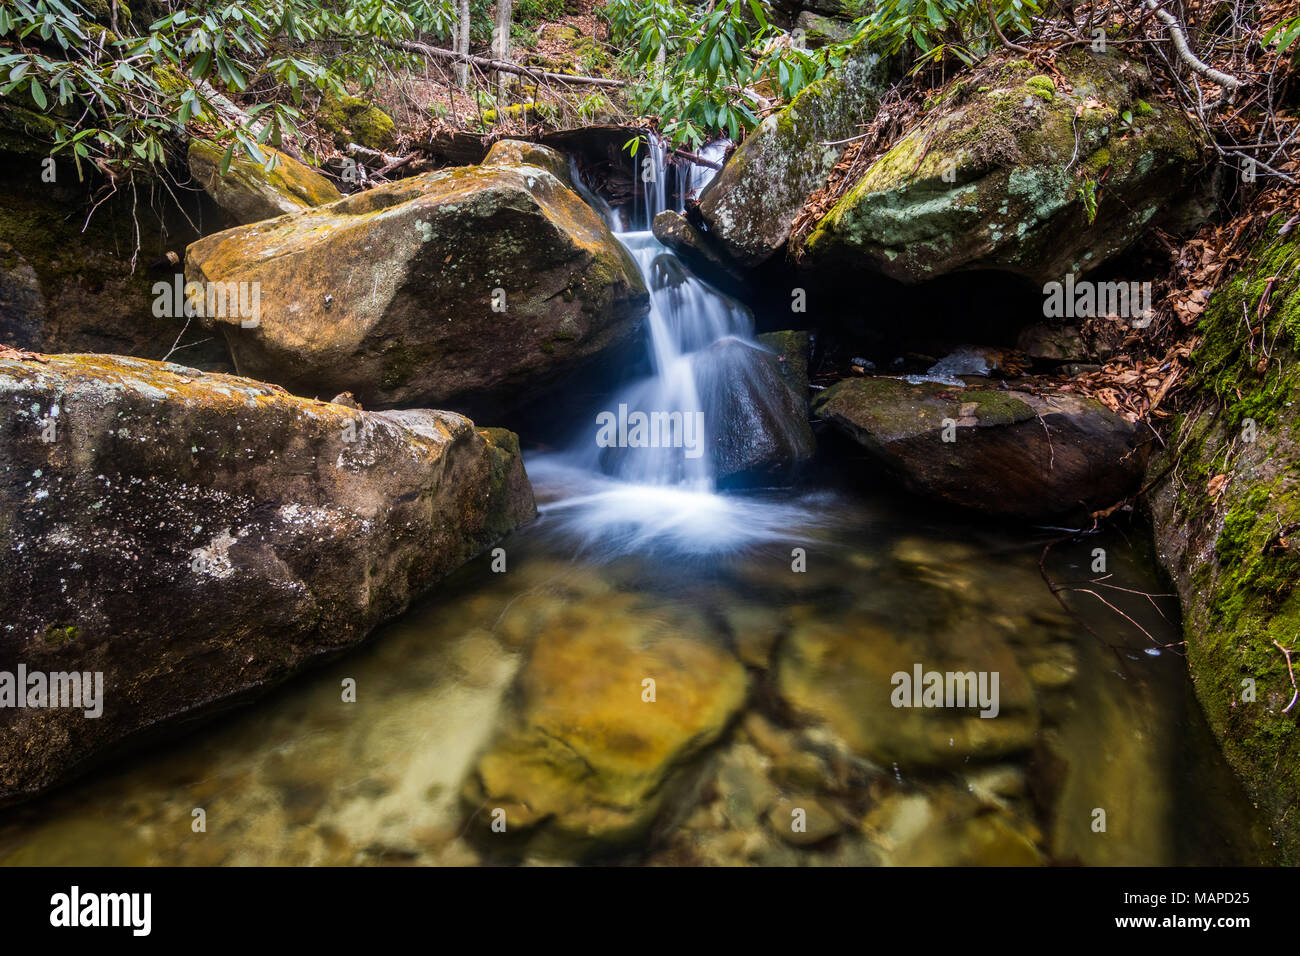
1226, 507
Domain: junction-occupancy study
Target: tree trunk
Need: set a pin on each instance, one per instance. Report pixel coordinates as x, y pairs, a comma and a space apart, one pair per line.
501, 47
462, 43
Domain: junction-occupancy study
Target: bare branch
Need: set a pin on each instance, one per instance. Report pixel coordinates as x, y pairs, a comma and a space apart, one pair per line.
1179, 38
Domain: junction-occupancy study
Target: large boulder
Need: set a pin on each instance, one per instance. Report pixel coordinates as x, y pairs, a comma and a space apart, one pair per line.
698, 252
1012, 170
196, 538
1018, 454
1226, 509
751, 205
792, 348
248, 191
473, 283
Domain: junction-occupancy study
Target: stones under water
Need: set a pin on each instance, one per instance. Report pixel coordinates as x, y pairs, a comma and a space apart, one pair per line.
767, 735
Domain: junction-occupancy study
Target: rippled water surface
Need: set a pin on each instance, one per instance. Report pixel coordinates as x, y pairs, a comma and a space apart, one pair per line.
521, 697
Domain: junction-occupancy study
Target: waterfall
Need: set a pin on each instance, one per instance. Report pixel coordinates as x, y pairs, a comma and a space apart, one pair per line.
687, 317
647, 457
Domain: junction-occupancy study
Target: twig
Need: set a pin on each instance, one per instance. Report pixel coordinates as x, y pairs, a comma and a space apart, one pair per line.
1291, 671
1185, 53
993, 19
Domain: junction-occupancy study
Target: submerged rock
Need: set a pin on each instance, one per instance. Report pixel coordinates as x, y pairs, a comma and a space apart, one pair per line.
249, 191
1012, 453
474, 284
842, 673
1011, 170
587, 765
199, 537
752, 203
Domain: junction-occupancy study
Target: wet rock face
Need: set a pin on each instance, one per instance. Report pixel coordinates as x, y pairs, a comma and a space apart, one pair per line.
759, 423
1011, 170
480, 282
200, 537
249, 192
1014, 454
22, 308
752, 203
791, 348
696, 250
590, 757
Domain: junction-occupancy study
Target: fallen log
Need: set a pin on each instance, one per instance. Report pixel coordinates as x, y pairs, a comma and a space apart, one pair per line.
502, 66
374, 155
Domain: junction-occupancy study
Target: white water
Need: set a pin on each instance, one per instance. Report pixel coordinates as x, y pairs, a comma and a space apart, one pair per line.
630, 498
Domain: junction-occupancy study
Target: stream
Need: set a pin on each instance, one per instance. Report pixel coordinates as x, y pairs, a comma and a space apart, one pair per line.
772, 625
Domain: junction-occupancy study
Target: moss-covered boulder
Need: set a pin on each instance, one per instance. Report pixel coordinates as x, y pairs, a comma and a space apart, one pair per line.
790, 10
249, 192
613, 702
819, 30
350, 119
196, 538
752, 203
1226, 511
475, 283
1019, 454
1013, 170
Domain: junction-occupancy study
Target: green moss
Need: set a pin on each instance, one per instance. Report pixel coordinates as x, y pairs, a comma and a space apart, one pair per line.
1230, 361
1145, 109
352, 119
522, 111
1246, 596
1042, 87
998, 408
1237, 525
58, 634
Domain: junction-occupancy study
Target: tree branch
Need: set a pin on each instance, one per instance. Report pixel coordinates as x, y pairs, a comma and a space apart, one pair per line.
1185, 53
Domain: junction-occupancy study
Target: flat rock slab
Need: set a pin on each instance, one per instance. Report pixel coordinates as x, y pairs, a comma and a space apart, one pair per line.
1016, 454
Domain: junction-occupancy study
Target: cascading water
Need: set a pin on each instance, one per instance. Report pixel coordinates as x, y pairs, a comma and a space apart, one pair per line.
647, 457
